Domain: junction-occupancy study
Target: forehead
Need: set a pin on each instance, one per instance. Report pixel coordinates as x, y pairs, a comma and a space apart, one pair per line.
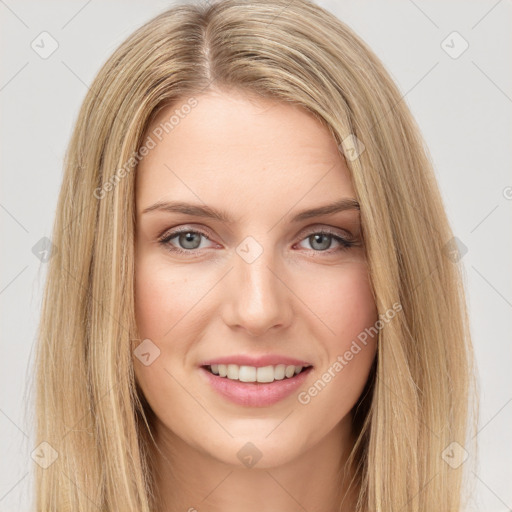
240, 148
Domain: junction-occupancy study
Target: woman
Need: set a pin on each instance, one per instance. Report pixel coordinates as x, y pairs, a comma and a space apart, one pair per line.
253, 304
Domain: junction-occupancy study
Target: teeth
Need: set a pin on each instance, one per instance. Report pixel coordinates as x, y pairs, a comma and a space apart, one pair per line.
253, 374
233, 371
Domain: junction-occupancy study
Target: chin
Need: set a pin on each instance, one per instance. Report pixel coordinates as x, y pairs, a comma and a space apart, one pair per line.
259, 451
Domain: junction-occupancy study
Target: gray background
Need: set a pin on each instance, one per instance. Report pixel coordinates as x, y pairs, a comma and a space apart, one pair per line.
463, 107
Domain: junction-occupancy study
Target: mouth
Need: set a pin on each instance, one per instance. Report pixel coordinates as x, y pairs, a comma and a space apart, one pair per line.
252, 386
257, 375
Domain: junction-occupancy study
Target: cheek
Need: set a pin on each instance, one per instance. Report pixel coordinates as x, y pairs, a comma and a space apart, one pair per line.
353, 315
346, 307
162, 297
354, 305
152, 302
342, 299
162, 300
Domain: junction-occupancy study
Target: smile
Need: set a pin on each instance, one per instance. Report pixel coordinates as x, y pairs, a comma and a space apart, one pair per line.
263, 374
264, 386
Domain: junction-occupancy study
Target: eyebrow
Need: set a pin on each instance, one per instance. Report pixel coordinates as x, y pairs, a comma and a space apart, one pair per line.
221, 215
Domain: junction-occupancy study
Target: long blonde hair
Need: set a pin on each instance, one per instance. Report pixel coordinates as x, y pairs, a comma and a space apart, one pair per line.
89, 408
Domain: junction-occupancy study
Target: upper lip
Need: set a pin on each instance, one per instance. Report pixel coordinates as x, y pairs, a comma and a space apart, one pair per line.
257, 361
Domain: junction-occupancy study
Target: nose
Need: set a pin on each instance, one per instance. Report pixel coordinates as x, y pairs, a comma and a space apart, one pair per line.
257, 298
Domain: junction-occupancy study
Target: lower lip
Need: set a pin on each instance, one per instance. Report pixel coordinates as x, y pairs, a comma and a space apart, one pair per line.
255, 394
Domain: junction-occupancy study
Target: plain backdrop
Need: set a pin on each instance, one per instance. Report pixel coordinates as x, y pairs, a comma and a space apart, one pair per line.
461, 100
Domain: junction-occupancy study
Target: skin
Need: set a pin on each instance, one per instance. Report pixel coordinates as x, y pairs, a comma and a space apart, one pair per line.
262, 161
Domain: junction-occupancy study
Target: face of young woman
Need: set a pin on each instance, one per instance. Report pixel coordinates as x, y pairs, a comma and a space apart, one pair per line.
263, 287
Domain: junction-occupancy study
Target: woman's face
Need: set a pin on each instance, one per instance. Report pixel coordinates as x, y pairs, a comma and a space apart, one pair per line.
261, 288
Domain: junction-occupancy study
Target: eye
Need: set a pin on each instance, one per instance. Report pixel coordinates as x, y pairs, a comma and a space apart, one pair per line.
321, 241
188, 239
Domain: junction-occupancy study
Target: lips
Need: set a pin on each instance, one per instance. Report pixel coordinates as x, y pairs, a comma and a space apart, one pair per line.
271, 385
257, 361
255, 394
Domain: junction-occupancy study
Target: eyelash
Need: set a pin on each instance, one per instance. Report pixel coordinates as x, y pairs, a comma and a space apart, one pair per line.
167, 237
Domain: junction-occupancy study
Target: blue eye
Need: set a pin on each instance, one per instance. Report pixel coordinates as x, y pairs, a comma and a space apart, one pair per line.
190, 241
321, 237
